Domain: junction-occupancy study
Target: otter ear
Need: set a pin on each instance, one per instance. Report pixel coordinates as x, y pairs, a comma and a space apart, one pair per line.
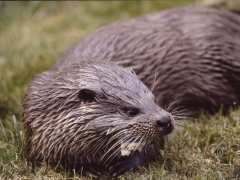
86, 95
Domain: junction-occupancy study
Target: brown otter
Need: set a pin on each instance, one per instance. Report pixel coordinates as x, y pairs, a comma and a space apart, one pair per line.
89, 112
190, 55
95, 116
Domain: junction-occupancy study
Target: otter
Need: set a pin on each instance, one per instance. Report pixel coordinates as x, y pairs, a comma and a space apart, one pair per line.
95, 116
108, 103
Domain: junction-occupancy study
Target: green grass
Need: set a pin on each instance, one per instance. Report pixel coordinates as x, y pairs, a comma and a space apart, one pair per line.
34, 34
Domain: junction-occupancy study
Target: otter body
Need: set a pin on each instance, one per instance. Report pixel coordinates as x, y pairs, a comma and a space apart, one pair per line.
190, 55
91, 111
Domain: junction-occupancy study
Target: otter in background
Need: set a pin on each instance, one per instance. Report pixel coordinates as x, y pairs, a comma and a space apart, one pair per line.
231, 5
189, 57
92, 112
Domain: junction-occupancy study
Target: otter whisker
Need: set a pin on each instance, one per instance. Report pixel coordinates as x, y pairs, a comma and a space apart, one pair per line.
173, 105
181, 125
117, 144
177, 118
181, 113
125, 140
112, 139
129, 142
155, 82
98, 144
178, 109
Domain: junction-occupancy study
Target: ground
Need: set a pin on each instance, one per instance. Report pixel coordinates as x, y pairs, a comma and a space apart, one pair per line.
34, 34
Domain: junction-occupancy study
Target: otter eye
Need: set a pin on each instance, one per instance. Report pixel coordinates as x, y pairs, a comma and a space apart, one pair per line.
86, 95
130, 111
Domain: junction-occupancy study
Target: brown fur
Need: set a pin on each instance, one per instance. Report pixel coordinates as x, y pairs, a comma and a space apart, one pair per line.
190, 59
190, 55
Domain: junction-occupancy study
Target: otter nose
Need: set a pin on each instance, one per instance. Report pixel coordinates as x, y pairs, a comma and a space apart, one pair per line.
165, 122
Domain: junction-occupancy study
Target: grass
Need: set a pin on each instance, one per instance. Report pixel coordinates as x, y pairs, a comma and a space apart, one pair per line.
34, 34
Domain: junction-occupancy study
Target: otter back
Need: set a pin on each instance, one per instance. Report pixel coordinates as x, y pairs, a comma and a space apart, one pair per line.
189, 56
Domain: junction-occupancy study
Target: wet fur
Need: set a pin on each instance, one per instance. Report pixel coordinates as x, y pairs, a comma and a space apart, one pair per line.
64, 129
189, 57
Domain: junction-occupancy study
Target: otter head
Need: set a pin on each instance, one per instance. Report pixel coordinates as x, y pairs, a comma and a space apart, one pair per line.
99, 117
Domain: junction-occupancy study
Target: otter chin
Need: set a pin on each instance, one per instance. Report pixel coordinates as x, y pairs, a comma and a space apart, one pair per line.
96, 117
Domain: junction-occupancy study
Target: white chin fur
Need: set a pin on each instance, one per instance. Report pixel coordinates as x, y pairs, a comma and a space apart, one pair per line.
127, 148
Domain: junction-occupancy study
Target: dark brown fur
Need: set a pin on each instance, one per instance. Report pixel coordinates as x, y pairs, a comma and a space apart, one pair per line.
189, 57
